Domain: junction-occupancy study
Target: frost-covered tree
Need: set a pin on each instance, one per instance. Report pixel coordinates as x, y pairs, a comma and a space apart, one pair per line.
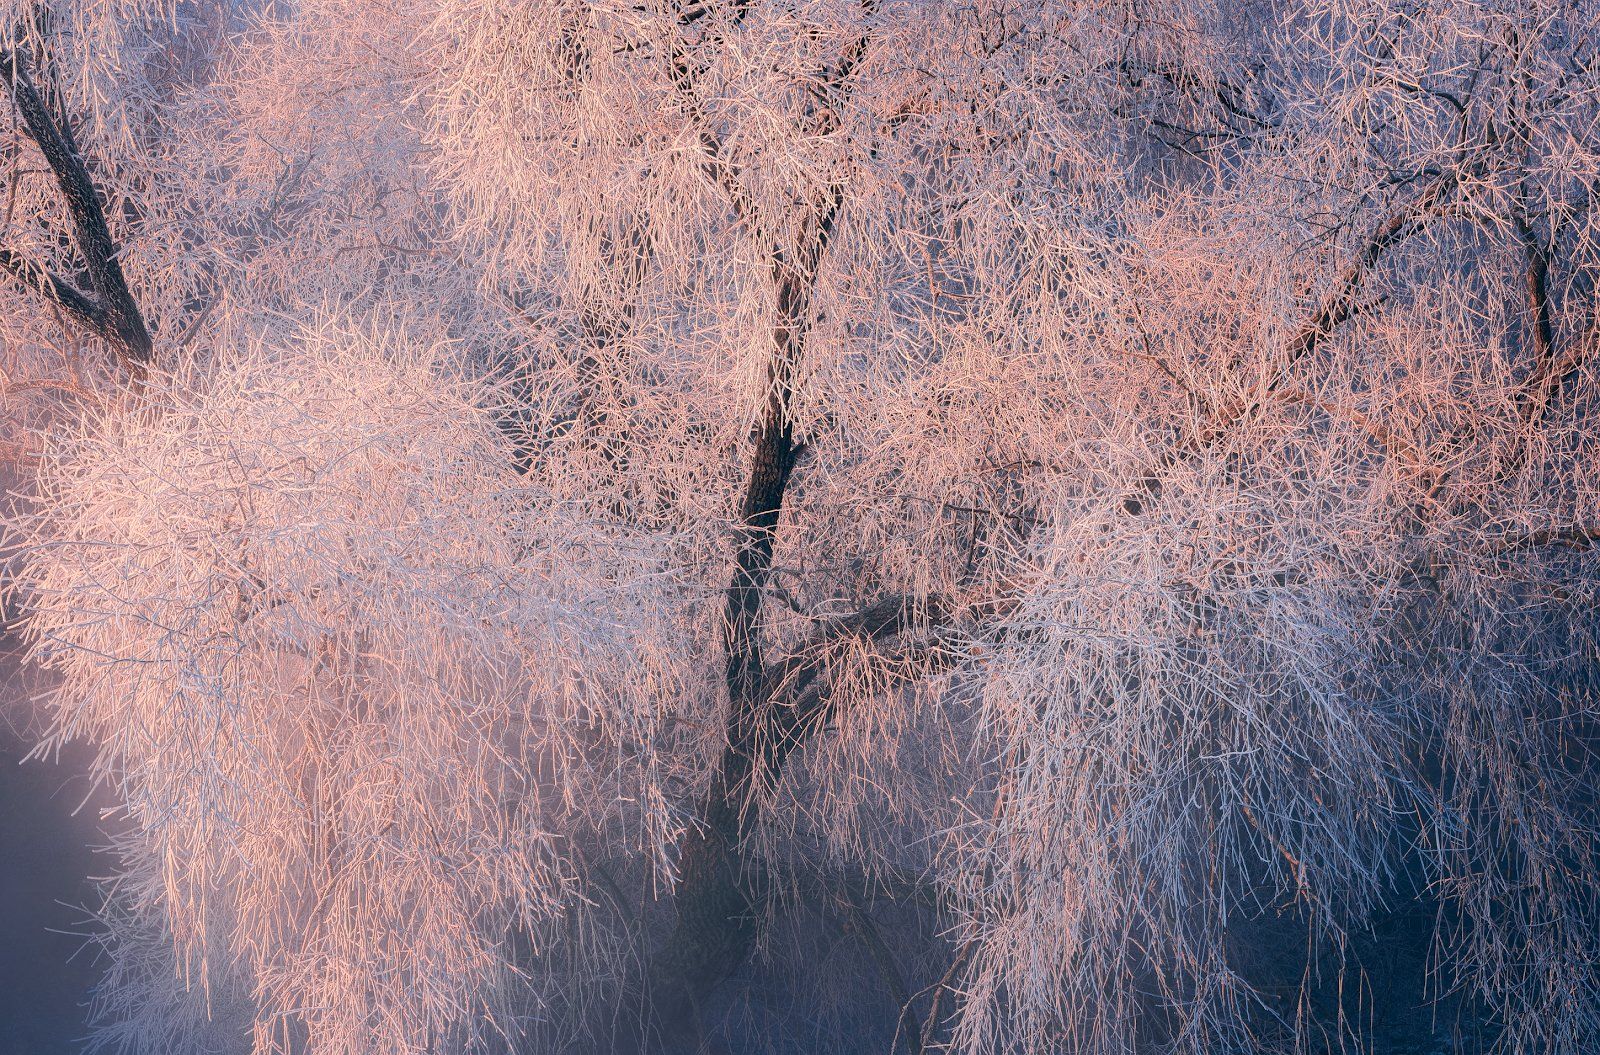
989, 526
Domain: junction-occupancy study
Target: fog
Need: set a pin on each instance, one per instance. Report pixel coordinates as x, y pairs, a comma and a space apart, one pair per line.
46, 858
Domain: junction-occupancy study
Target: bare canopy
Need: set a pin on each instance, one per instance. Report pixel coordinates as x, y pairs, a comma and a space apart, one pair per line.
818, 525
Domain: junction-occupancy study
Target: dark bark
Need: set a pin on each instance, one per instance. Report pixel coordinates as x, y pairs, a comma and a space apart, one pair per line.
1552, 373
107, 307
715, 905
715, 900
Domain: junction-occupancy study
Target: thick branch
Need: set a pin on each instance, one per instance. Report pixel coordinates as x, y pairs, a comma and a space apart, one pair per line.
1425, 567
1552, 372
113, 314
716, 165
52, 287
1571, 536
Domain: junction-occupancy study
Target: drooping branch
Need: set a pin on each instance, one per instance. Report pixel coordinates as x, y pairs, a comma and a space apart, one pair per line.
108, 308
685, 74
1424, 569
1569, 536
606, 321
52, 287
948, 984
802, 701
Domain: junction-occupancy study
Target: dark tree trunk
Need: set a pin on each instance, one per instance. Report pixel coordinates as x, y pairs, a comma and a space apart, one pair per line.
715, 903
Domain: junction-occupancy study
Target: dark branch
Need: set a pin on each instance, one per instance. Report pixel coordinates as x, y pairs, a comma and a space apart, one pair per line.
113, 313
800, 699
1571, 536
714, 930
946, 985
52, 287
1552, 372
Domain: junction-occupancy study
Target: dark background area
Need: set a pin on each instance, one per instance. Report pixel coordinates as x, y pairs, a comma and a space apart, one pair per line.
46, 858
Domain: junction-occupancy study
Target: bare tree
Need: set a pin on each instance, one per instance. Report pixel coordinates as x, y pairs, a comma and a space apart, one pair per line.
851, 525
